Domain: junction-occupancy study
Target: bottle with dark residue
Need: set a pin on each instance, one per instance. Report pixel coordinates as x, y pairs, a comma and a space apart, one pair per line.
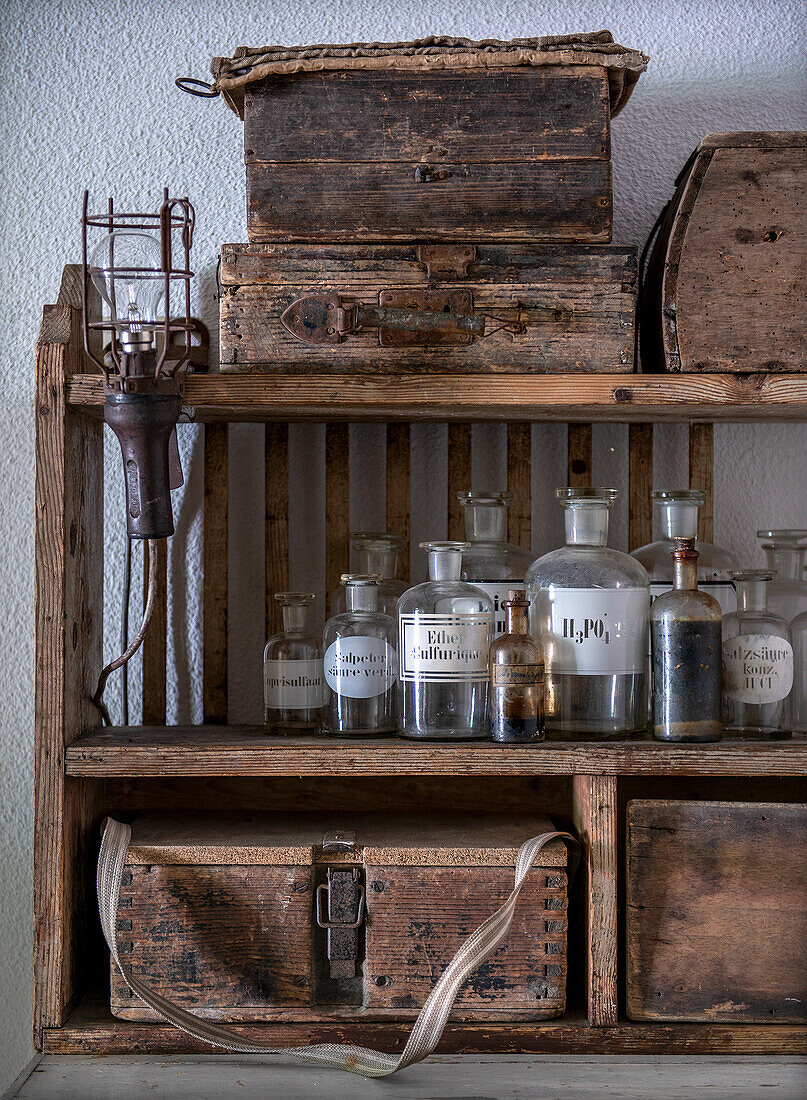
686, 636
516, 678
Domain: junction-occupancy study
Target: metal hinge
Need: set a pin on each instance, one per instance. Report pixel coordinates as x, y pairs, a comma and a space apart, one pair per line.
343, 916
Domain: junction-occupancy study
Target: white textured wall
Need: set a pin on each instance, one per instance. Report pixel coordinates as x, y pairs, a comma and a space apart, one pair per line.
88, 100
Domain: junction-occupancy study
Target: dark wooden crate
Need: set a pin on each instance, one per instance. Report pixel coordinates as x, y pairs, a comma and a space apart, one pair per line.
219, 916
576, 306
727, 277
716, 911
510, 153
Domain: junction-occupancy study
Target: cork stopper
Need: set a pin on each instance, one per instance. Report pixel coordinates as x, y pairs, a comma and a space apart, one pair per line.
684, 549
516, 597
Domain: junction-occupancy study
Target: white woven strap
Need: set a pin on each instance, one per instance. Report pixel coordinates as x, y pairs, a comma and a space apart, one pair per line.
428, 1027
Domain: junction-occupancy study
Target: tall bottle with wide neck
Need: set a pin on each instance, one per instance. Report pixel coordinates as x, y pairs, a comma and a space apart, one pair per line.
589, 607
677, 512
491, 562
785, 551
375, 553
444, 635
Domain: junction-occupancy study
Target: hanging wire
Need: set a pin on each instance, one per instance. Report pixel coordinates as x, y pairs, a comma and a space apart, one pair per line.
124, 628
136, 642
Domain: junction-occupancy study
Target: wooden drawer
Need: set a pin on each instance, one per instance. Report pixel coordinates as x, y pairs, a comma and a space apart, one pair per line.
531, 309
716, 911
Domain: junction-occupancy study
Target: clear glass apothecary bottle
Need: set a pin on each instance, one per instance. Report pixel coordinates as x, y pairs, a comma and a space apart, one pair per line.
361, 663
444, 635
677, 512
757, 664
784, 552
516, 678
589, 608
685, 629
294, 689
375, 553
490, 561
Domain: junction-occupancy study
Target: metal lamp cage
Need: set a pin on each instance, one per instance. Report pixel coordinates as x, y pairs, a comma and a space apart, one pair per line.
174, 219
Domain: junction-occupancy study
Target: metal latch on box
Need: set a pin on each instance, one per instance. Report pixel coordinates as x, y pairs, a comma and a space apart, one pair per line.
343, 913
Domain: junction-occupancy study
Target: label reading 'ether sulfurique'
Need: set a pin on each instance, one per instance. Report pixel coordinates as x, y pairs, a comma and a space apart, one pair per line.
360, 667
444, 648
293, 685
757, 668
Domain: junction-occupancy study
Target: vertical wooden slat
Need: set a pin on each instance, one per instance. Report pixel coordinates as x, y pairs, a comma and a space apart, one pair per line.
215, 561
155, 642
640, 485
519, 483
337, 504
594, 813
579, 455
69, 564
702, 475
398, 501
276, 445
459, 476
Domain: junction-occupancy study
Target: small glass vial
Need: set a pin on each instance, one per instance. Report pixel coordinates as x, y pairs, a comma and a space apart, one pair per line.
294, 689
757, 664
491, 562
375, 553
589, 608
516, 678
444, 636
784, 552
677, 512
361, 665
685, 628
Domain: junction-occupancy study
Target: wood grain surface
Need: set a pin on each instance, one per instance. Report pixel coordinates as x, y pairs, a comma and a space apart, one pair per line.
215, 591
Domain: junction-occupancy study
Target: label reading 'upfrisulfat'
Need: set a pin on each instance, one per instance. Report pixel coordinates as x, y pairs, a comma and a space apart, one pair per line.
293, 685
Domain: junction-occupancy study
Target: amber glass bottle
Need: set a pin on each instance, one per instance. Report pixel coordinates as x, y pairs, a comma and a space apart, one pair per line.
516, 678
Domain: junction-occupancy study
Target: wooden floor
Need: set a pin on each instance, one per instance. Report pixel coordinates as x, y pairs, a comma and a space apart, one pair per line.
449, 1077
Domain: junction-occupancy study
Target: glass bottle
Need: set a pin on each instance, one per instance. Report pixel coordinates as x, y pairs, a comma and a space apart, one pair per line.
677, 511
784, 552
294, 690
490, 561
444, 636
361, 665
686, 633
798, 696
757, 664
516, 678
589, 607
375, 553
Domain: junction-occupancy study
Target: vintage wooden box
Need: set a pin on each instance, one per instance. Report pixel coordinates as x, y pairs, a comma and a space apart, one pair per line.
224, 916
717, 911
727, 278
431, 308
441, 139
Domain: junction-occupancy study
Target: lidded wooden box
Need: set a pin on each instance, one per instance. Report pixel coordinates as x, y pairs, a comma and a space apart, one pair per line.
227, 917
439, 139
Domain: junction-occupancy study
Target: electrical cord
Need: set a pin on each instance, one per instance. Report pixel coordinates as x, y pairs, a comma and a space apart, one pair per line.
124, 628
137, 641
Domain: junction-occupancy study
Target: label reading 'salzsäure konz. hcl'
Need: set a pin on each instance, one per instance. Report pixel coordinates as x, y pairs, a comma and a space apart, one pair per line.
444, 648
757, 668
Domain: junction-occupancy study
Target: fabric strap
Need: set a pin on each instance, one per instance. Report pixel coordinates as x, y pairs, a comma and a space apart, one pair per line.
428, 1027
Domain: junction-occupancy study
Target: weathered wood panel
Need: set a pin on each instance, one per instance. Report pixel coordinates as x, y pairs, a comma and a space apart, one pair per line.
717, 911
573, 308
484, 115
459, 477
276, 545
578, 455
519, 484
156, 641
337, 504
594, 811
640, 485
398, 472
215, 584
702, 475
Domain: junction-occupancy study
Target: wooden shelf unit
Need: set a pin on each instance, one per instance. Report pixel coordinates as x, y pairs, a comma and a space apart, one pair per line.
83, 773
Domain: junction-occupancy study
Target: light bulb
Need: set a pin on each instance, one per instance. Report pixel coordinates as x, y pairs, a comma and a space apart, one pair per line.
126, 269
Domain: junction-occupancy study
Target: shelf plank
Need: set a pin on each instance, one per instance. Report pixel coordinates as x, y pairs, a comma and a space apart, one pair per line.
247, 750
501, 396
92, 1030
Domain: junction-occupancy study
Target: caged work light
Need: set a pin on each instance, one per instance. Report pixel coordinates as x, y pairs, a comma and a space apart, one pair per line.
139, 264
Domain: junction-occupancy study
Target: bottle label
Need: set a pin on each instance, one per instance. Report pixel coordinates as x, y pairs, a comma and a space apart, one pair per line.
444, 648
517, 675
723, 592
360, 667
498, 592
757, 668
593, 631
293, 685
